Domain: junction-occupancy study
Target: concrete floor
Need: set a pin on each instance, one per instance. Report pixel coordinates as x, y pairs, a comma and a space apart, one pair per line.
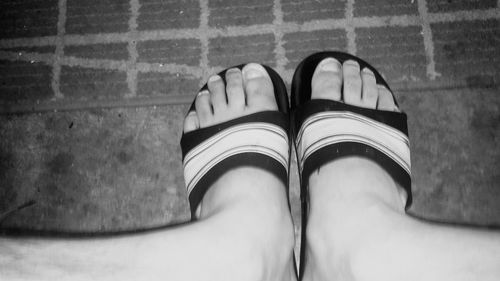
92, 97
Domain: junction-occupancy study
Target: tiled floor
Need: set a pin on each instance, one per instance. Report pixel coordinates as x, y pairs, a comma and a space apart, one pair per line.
125, 70
56, 53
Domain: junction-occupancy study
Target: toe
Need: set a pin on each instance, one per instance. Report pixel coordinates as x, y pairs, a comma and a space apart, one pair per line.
370, 90
385, 99
352, 82
203, 108
217, 93
234, 88
326, 82
191, 122
258, 88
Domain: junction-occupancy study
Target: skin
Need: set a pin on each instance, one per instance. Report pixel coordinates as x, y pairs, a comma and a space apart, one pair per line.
357, 229
244, 229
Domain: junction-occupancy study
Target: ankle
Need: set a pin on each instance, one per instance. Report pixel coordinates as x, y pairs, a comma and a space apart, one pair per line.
253, 204
342, 243
244, 186
351, 181
267, 235
385, 243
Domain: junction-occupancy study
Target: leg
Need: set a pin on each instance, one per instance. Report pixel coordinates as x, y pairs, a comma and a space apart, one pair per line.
357, 227
244, 231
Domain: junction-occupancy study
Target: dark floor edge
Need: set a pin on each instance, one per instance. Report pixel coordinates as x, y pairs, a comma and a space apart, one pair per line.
457, 223
52, 233
47, 106
182, 99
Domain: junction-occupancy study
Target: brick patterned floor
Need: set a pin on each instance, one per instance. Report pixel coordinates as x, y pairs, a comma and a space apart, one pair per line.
56, 55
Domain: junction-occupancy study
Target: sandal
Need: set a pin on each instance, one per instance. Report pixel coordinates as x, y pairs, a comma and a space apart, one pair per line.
325, 130
260, 139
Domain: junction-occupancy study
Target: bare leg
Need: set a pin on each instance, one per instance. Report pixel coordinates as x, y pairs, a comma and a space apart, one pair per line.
244, 231
357, 228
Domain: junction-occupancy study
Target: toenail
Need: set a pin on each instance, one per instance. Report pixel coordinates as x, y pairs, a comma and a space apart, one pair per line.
381, 87
232, 71
368, 71
213, 78
330, 64
251, 72
351, 62
204, 92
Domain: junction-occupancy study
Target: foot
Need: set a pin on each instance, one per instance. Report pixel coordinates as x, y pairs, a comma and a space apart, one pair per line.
354, 86
345, 194
248, 200
248, 91
360, 86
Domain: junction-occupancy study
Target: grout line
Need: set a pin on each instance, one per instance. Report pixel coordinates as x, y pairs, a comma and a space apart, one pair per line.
101, 63
59, 51
383, 21
279, 50
203, 37
231, 31
95, 63
287, 75
171, 68
464, 16
349, 27
135, 6
428, 42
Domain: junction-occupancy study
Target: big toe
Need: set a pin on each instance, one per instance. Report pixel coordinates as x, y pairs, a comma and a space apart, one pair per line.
326, 82
259, 88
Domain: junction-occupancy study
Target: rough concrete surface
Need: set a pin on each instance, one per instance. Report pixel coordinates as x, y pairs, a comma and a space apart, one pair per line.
120, 169
97, 170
